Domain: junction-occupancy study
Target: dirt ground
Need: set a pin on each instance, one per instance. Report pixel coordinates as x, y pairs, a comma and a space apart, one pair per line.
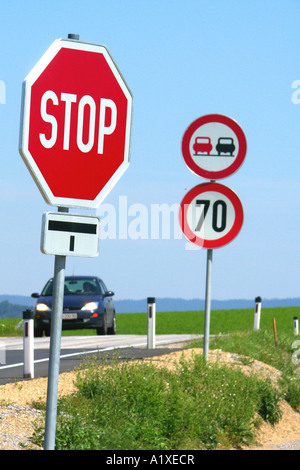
17, 415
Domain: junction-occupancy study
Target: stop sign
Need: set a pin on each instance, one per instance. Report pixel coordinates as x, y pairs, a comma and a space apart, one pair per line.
75, 124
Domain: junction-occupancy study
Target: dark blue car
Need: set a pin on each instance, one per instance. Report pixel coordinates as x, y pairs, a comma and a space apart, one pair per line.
87, 305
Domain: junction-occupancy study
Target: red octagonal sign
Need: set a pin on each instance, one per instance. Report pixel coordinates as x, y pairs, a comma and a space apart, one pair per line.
75, 124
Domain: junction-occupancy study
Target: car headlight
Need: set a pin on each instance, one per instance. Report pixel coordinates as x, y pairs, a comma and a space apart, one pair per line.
90, 306
42, 308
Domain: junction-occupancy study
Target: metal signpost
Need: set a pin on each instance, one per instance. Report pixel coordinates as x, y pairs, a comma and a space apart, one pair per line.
74, 139
211, 215
54, 356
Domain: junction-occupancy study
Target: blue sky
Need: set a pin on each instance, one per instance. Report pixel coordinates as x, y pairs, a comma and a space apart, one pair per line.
181, 60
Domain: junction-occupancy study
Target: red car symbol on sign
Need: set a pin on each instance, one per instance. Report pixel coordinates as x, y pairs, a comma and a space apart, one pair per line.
202, 144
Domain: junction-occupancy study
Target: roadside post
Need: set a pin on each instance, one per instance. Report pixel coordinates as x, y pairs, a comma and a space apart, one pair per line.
151, 320
296, 326
74, 139
28, 344
256, 323
207, 302
211, 215
2, 353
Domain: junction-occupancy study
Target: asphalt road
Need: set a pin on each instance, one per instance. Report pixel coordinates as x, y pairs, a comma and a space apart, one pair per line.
74, 349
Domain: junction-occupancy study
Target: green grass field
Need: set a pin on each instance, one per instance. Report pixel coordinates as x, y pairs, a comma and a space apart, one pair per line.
222, 322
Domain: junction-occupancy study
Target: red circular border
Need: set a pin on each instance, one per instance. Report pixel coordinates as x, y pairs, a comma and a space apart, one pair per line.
202, 188
205, 120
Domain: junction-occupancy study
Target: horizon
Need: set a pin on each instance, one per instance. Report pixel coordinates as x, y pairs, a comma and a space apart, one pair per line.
181, 298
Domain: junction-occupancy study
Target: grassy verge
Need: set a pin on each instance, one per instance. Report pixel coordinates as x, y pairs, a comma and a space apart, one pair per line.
139, 406
11, 327
195, 406
260, 345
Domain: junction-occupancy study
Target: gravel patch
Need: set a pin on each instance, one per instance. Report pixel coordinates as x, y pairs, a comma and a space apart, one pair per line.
16, 427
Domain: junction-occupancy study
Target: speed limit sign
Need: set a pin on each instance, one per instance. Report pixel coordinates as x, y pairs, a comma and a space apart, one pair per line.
211, 215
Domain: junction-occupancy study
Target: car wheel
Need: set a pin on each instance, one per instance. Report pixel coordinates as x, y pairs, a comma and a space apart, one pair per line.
103, 329
113, 329
38, 332
47, 331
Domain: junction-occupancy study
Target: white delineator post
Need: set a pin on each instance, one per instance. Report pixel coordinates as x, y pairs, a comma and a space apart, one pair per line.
28, 344
151, 322
296, 326
257, 311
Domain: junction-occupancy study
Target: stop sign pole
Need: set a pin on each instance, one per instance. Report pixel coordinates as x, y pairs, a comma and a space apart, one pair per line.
55, 344
74, 139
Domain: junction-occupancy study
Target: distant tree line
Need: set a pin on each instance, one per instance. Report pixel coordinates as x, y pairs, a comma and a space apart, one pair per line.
8, 310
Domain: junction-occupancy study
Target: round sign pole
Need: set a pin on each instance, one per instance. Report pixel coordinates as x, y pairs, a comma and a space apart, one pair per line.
55, 343
207, 302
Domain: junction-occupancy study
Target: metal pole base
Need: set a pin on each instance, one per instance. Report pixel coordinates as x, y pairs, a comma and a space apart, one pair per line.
207, 302
54, 358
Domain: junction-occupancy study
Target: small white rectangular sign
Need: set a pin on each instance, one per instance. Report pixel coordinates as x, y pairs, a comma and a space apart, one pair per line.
70, 235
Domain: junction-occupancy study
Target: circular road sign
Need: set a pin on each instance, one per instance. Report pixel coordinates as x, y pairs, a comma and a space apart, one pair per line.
214, 146
75, 124
211, 215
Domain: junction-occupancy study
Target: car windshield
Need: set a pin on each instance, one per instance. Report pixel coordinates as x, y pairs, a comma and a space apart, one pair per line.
75, 286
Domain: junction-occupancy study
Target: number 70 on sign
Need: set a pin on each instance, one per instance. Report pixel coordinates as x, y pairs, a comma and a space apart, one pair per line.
211, 215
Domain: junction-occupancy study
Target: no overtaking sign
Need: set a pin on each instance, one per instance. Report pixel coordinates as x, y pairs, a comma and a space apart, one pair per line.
214, 146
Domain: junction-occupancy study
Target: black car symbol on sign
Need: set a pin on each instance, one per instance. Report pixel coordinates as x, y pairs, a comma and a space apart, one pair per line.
225, 145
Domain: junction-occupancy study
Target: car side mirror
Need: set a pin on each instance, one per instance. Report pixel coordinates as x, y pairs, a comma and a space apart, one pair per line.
35, 295
109, 293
